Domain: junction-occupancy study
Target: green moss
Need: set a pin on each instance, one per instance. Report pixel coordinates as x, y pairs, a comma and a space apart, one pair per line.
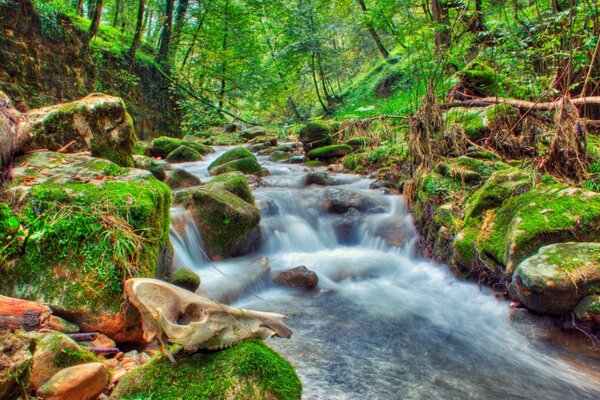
315, 134
183, 154
249, 370
280, 155
140, 148
355, 162
231, 155
328, 152
502, 115
480, 79
66, 356
85, 239
163, 146
186, 278
471, 124
358, 143
315, 163
237, 159
465, 250
236, 183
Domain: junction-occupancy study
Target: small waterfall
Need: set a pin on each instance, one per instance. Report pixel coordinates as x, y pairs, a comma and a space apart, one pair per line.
186, 239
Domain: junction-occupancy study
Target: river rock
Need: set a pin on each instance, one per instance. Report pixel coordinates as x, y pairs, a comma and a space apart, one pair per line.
299, 277
253, 132
62, 325
81, 382
588, 309
229, 225
237, 159
234, 182
156, 167
53, 353
338, 201
555, 279
77, 208
181, 179
347, 226
186, 278
163, 146
320, 178
314, 135
329, 153
246, 371
15, 359
183, 154
99, 123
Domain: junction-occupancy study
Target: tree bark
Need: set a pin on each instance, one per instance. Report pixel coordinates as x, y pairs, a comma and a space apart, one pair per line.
138, 31
90, 9
439, 18
194, 39
15, 135
95, 20
380, 46
165, 35
118, 5
78, 5
23, 314
182, 6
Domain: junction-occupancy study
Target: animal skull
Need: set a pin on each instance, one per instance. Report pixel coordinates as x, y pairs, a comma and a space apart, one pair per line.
173, 314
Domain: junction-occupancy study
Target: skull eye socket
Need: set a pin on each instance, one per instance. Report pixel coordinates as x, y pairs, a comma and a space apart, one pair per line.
192, 313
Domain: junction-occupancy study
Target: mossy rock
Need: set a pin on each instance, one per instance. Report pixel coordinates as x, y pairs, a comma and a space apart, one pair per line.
314, 135
53, 352
480, 79
157, 168
501, 186
140, 148
555, 279
249, 370
183, 154
229, 225
163, 146
186, 278
471, 124
86, 234
315, 163
99, 123
329, 152
181, 179
253, 132
542, 216
280, 156
465, 248
447, 215
355, 162
588, 308
237, 159
236, 183
17, 347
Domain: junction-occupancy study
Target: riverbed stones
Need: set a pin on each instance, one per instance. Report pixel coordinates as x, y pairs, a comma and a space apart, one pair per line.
330, 153
179, 178
163, 146
299, 277
158, 168
320, 178
15, 361
183, 154
80, 382
555, 279
98, 123
186, 278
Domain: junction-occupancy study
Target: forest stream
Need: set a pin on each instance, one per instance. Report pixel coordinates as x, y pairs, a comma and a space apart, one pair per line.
383, 323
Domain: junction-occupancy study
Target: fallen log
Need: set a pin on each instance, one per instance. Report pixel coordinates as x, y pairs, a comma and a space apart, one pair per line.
15, 135
84, 337
23, 314
103, 350
521, 104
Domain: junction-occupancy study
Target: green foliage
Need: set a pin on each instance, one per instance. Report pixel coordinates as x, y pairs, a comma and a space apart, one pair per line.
49, 17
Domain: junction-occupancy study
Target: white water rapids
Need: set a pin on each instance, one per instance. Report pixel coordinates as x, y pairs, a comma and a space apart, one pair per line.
383, 324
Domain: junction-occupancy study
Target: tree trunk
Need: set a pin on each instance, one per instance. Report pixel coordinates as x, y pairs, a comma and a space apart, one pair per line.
95, 20
118, 6
182, 6
223, 71
196, 33
439, 17
23, 314
382, 50
524, 105
15, 135
78, 5
479, 23
314, 76
90, 9
165, 34
138, 31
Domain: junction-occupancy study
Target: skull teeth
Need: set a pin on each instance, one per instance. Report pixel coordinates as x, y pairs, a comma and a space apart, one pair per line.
224, 346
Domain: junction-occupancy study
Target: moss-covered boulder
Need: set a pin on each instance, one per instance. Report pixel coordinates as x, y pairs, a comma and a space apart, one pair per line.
237, 159
180, 179
158, 168
327, 153
186, 278
555, 279
163, 146
314, 135
90, 224
471, 123
588, 308
253, 132
229, 225
480, 80
234, 182
183, 154
249, 370
99, 123
358, 143
16, 356
53, 352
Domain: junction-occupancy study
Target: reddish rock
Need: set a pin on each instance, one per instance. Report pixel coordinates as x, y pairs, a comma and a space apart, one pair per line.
299, 277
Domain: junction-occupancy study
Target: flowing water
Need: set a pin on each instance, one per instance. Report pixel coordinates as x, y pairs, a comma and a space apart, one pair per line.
384, 324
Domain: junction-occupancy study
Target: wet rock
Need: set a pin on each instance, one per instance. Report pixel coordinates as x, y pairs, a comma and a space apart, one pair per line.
103, 341
396, 232
186, 278
299, 277
268, 208
163, 146
230, 128
555, 279
183, 154
280, 156
98, 122
237, 159
234, 182
295, 160
181, 179
328, 153
338, 201
62, 325
81, 382
158, 168
253, 132
588, 309
229, 225
320, 178
314, 135
253, 371
347, 226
